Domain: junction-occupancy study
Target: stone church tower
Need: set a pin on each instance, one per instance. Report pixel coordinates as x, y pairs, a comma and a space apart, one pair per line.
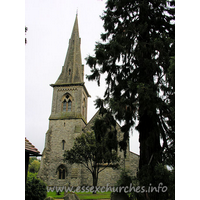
68, 119
68, 114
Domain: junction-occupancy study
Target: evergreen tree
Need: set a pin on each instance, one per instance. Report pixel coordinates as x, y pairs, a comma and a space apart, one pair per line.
137, 54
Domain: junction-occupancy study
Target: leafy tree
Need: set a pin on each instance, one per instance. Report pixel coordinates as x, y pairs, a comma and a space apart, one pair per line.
31, 159
35, 188
92, 152
137, 56
34, 166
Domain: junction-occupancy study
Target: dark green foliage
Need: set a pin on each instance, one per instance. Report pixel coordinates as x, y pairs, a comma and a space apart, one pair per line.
124, 181
105, 132
96, 150
137, 54
90, 153
35, 188
169, 139
159, 186
162, 177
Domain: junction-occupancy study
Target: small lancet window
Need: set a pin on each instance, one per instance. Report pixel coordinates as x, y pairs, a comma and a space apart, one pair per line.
84, 106
63, 144
69, 72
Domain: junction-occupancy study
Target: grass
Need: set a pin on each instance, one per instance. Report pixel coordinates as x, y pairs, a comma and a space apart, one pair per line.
105, 195
82, 195
54, 195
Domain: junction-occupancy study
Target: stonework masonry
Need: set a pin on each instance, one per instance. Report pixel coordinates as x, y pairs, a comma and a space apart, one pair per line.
68, 119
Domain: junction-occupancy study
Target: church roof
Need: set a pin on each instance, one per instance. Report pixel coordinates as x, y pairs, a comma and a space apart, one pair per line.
91, 122
30, 148
73, 70
97, 115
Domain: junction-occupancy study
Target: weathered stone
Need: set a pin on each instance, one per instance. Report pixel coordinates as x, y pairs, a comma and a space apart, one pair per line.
71, 197
66, 124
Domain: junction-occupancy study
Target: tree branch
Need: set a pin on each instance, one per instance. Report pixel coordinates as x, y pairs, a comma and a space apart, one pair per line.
104, 168
86, 166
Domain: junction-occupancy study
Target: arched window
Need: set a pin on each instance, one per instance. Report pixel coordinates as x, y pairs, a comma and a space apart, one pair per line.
61, 172
67, 103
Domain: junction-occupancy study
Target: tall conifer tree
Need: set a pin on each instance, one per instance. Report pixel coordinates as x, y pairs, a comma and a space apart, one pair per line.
137, 56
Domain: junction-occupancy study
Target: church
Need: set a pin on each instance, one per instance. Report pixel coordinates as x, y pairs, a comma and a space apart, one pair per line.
68, 119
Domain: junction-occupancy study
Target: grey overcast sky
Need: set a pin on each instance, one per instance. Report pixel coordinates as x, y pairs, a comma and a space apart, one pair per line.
50, 24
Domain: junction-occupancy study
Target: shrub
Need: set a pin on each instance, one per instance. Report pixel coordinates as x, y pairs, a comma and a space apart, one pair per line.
153, 177
125, 180
35, 188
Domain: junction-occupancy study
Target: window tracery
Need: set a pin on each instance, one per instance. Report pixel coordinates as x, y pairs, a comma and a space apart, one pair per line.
67, 103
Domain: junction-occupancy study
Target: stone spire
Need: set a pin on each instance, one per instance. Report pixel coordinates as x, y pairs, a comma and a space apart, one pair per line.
73, 70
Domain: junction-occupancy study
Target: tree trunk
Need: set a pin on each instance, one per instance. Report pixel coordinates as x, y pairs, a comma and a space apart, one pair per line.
148, 129
95, 180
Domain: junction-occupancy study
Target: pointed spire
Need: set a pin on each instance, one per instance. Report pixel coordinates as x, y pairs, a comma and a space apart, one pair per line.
72, 71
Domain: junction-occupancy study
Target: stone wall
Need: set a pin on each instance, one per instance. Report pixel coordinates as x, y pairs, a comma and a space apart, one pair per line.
77, 175
52, 158
79, 97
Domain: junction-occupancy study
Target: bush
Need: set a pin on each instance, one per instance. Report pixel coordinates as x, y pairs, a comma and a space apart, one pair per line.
35, 188
153, 177
160, 174
125, 180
